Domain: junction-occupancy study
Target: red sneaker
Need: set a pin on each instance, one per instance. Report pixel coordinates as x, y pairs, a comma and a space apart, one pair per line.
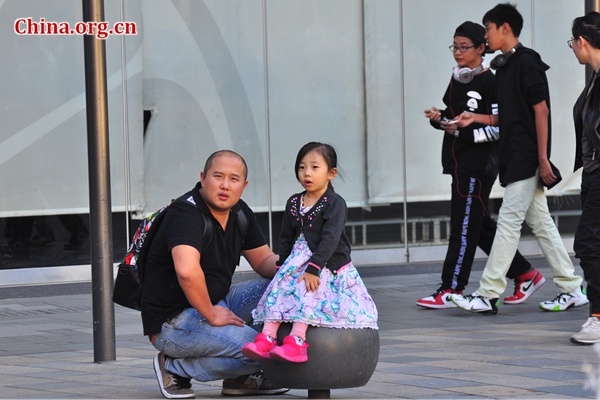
260, 348
525, 285
293, 349
438, 300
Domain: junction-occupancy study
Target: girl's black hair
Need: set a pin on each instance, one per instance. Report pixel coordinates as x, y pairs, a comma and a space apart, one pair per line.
588, 27
325, 150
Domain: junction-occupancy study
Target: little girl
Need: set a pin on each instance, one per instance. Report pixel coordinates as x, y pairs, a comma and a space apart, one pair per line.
313, 247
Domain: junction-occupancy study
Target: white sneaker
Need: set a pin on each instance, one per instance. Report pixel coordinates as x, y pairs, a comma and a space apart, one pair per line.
564, 301
589, 333
475, 303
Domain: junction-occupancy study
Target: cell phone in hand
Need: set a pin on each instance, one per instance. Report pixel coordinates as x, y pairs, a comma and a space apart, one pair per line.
448, 121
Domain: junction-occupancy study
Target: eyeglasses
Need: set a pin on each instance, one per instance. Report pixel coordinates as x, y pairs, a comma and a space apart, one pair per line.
462, 49
570, 41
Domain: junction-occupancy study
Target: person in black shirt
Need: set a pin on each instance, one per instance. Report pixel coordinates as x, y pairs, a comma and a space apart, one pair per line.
586, 114
470, 156
190, 311
524, 121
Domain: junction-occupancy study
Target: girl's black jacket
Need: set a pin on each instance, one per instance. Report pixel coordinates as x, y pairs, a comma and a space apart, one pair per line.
324, 230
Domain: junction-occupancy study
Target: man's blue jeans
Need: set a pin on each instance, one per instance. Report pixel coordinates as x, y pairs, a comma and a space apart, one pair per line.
198, 350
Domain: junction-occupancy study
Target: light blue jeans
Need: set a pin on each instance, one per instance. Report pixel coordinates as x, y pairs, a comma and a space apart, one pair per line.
195, 349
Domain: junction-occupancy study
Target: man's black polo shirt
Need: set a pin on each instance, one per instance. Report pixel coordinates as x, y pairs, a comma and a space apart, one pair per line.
162, 297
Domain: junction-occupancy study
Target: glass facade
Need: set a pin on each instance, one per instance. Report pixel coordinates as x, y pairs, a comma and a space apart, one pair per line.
261, 78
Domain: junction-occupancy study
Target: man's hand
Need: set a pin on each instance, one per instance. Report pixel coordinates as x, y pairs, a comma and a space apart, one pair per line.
433, 114
193, 283
449, 128
546, 173
465, 119
312, 281
223, 316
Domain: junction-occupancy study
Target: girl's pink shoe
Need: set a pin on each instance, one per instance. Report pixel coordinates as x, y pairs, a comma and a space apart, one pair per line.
290, 350
259, 349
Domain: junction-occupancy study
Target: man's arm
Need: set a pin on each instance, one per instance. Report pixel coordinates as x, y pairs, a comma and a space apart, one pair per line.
468, 118
262, 260
541, 129
192, 281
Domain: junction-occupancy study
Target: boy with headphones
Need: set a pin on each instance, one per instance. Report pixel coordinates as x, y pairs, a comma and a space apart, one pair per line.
524, 121
469, 155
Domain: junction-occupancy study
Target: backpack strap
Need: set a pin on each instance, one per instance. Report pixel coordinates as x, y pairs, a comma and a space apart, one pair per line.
156, 221
208, 230
143, 255
242, 221
208, 224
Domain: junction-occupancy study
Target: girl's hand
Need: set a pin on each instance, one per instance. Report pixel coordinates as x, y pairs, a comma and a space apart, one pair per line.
312, 281
433, 114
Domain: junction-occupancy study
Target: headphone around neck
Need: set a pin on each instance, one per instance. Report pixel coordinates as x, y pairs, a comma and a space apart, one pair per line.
501, 59
466, 74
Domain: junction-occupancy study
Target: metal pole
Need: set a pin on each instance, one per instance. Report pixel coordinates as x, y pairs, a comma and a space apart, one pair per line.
365, 105
267, 119
125, 129
403, 117
590, 5
533, 24
99, 177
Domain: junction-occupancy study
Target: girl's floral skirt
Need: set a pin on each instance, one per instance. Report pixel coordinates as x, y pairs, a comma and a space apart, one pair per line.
342, 300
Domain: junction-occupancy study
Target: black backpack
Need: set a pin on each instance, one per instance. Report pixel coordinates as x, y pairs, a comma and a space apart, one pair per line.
130, 276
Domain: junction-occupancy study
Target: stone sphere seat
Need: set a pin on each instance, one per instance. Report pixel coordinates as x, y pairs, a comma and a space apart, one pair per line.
337, 358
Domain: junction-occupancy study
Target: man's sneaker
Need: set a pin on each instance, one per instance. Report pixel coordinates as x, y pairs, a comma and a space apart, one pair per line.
438, 300
564, 301
589, 333
525, 285
260, 348
293, 349
250, 385
171, 386
475, 303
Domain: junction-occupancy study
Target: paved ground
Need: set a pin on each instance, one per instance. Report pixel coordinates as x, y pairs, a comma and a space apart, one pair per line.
46, 346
